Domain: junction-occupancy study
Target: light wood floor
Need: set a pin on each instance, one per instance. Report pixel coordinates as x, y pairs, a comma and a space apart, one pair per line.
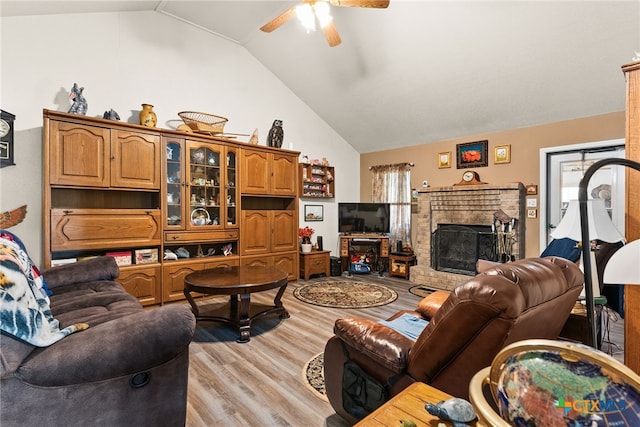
259, 383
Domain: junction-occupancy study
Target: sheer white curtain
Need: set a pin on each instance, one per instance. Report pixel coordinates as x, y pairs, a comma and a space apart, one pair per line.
392, 184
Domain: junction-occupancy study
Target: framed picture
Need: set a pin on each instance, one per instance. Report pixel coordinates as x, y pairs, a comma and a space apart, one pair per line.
502, 154
444, 160
472, 154
532, 190
313, 212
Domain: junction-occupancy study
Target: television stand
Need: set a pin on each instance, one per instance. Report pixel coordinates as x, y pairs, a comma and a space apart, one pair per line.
352, 243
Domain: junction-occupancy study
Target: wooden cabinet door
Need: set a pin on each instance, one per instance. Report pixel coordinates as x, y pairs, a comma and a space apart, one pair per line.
205, 174
84, 229
173, 280
225, 262
255, 172
136, 160
79, 155
255, 235
287, 262
256, 261
283, 226
174, 193
283, 261
284, 175
143, 283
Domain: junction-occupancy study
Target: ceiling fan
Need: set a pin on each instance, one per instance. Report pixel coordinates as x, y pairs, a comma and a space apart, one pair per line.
310, 10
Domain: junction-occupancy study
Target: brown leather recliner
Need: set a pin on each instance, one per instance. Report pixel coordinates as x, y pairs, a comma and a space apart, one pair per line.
529, 298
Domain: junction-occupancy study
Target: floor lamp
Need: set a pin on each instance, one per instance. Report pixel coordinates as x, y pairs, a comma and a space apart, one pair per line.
585, 232
600, 227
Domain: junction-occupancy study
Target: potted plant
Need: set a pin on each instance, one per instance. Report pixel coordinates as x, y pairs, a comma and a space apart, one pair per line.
305, 235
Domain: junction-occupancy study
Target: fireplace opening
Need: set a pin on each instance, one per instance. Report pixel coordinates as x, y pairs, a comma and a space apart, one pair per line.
455, 248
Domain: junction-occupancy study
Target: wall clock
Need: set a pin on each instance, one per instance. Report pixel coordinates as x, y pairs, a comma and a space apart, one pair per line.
6, 138
470, 178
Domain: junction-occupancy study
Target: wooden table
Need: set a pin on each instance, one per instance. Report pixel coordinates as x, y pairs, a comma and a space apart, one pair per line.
239, 283
408, 405
315, 262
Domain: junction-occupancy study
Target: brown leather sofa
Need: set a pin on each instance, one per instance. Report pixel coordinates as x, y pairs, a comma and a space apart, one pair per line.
529, 298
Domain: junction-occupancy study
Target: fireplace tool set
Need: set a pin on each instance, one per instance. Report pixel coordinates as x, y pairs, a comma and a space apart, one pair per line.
504, 229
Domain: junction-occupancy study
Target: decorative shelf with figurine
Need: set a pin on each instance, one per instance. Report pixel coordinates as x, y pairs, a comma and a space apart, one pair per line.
317, 179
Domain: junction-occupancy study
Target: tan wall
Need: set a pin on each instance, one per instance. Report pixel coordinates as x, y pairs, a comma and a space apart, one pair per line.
525, 153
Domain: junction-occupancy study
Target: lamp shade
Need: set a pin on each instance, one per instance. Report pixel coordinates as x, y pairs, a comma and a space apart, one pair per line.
600, 225
624, 265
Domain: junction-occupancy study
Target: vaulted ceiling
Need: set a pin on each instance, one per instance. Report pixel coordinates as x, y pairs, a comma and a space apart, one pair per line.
425, 71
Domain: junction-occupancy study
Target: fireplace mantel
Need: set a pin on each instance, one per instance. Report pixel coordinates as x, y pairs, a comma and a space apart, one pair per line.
465, 204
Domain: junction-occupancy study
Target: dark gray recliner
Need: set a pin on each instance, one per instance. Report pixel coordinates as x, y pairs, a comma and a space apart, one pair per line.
129, 368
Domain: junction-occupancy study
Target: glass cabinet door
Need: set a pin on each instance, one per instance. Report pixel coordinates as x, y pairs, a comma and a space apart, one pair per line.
205, 184
175, 182
231, 189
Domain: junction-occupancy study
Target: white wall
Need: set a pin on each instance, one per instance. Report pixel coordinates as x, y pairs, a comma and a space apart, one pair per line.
126, 59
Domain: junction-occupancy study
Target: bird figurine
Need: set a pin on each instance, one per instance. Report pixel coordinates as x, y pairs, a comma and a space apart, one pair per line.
276, 134
13, 217
111, 115
254, 137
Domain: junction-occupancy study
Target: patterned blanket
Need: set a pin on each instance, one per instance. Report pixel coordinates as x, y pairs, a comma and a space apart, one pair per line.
24, 300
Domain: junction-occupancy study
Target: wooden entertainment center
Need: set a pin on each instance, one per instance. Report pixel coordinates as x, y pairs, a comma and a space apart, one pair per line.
165, 203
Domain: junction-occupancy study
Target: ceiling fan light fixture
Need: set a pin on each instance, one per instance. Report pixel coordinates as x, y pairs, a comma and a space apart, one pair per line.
321, 9
305, 15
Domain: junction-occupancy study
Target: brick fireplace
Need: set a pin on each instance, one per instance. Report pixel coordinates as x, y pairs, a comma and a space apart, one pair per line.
472, 205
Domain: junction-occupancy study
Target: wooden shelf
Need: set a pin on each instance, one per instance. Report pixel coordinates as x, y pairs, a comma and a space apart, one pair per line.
317, 181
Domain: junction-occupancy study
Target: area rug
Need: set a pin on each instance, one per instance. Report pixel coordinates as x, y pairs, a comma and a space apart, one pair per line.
345, 294
313, 376
421, 290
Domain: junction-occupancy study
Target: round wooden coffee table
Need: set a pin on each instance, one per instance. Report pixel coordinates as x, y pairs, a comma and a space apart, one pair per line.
239, 283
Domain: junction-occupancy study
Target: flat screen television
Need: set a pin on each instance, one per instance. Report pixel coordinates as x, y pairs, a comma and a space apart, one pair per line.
358, 218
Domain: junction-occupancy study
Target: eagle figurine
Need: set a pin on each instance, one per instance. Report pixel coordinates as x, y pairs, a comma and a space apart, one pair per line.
14, 217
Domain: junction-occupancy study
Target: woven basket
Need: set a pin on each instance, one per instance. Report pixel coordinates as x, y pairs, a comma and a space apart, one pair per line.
203, 122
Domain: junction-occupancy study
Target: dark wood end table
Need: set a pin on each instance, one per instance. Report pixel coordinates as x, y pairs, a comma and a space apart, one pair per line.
239, 283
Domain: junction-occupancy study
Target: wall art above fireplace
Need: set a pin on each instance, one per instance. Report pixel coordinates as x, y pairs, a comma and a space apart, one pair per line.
472, 154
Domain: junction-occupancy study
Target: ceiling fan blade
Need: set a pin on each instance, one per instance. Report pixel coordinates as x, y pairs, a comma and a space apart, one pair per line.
279, 20
331, 34
378, 4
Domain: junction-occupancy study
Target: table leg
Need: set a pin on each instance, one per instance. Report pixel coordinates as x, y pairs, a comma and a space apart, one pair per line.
192, 303
233, 306
278, 303
244, 322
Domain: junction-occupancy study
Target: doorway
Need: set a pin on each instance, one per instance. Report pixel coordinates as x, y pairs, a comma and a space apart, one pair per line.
562, 168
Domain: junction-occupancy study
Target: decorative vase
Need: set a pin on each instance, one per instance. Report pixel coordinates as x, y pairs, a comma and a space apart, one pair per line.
148, 116
306, 244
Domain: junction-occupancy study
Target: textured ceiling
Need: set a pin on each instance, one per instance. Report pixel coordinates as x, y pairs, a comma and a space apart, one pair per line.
426, 71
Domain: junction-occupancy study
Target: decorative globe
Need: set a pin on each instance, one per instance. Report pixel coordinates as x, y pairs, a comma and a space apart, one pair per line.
556, 383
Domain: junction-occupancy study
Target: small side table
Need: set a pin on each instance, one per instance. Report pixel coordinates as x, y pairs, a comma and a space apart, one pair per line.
399, 264
408, 404
315, 262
